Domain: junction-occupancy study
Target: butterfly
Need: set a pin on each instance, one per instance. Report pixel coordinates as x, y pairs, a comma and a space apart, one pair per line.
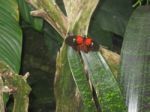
81, 43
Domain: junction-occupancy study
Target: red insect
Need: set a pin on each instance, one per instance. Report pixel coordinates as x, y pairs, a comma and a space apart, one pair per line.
80, 43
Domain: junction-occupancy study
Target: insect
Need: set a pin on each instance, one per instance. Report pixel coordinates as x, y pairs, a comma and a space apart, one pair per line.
82, 43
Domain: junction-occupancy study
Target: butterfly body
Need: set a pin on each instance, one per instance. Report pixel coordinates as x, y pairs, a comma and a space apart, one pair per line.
80, 43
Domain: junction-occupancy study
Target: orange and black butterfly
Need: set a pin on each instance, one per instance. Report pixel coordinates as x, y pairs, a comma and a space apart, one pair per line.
82, 43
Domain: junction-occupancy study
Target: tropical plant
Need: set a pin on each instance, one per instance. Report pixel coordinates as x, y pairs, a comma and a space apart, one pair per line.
84, 82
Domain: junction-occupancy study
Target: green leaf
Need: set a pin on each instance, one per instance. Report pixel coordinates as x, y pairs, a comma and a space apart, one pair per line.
11, 5
99, 35
10, 56
80, 79
24, 8
11, 35
67, 96
135, 57
105, 85
112, 15
51, 34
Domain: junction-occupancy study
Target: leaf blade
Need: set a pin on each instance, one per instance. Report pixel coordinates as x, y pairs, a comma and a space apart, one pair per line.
80, 79
135, 58
106, 87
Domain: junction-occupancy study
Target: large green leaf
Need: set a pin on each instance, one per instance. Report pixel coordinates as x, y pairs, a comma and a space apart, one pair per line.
80, 79
112, 15
105, 85
11, 35
10, 55
135, 66
67, 96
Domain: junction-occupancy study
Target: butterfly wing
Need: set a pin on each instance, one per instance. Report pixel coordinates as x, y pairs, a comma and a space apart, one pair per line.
70, 40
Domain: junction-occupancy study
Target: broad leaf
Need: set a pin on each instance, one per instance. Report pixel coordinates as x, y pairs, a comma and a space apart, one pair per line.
135, 66
79, 76
112, 15
11, 35
10, 54
105, 85
67, 95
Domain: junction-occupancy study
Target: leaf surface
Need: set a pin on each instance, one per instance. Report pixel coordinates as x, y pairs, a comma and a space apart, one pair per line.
135, 65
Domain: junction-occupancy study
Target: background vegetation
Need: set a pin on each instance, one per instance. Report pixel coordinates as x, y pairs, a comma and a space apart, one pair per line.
31, 44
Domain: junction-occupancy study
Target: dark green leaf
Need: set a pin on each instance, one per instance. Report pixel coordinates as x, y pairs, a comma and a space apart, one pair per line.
135, 66
10, 55
100, 36
106, 87
112, 15
80, 79
11, 35
67, 96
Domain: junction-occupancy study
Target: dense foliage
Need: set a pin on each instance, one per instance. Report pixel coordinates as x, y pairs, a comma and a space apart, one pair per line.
62, 79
